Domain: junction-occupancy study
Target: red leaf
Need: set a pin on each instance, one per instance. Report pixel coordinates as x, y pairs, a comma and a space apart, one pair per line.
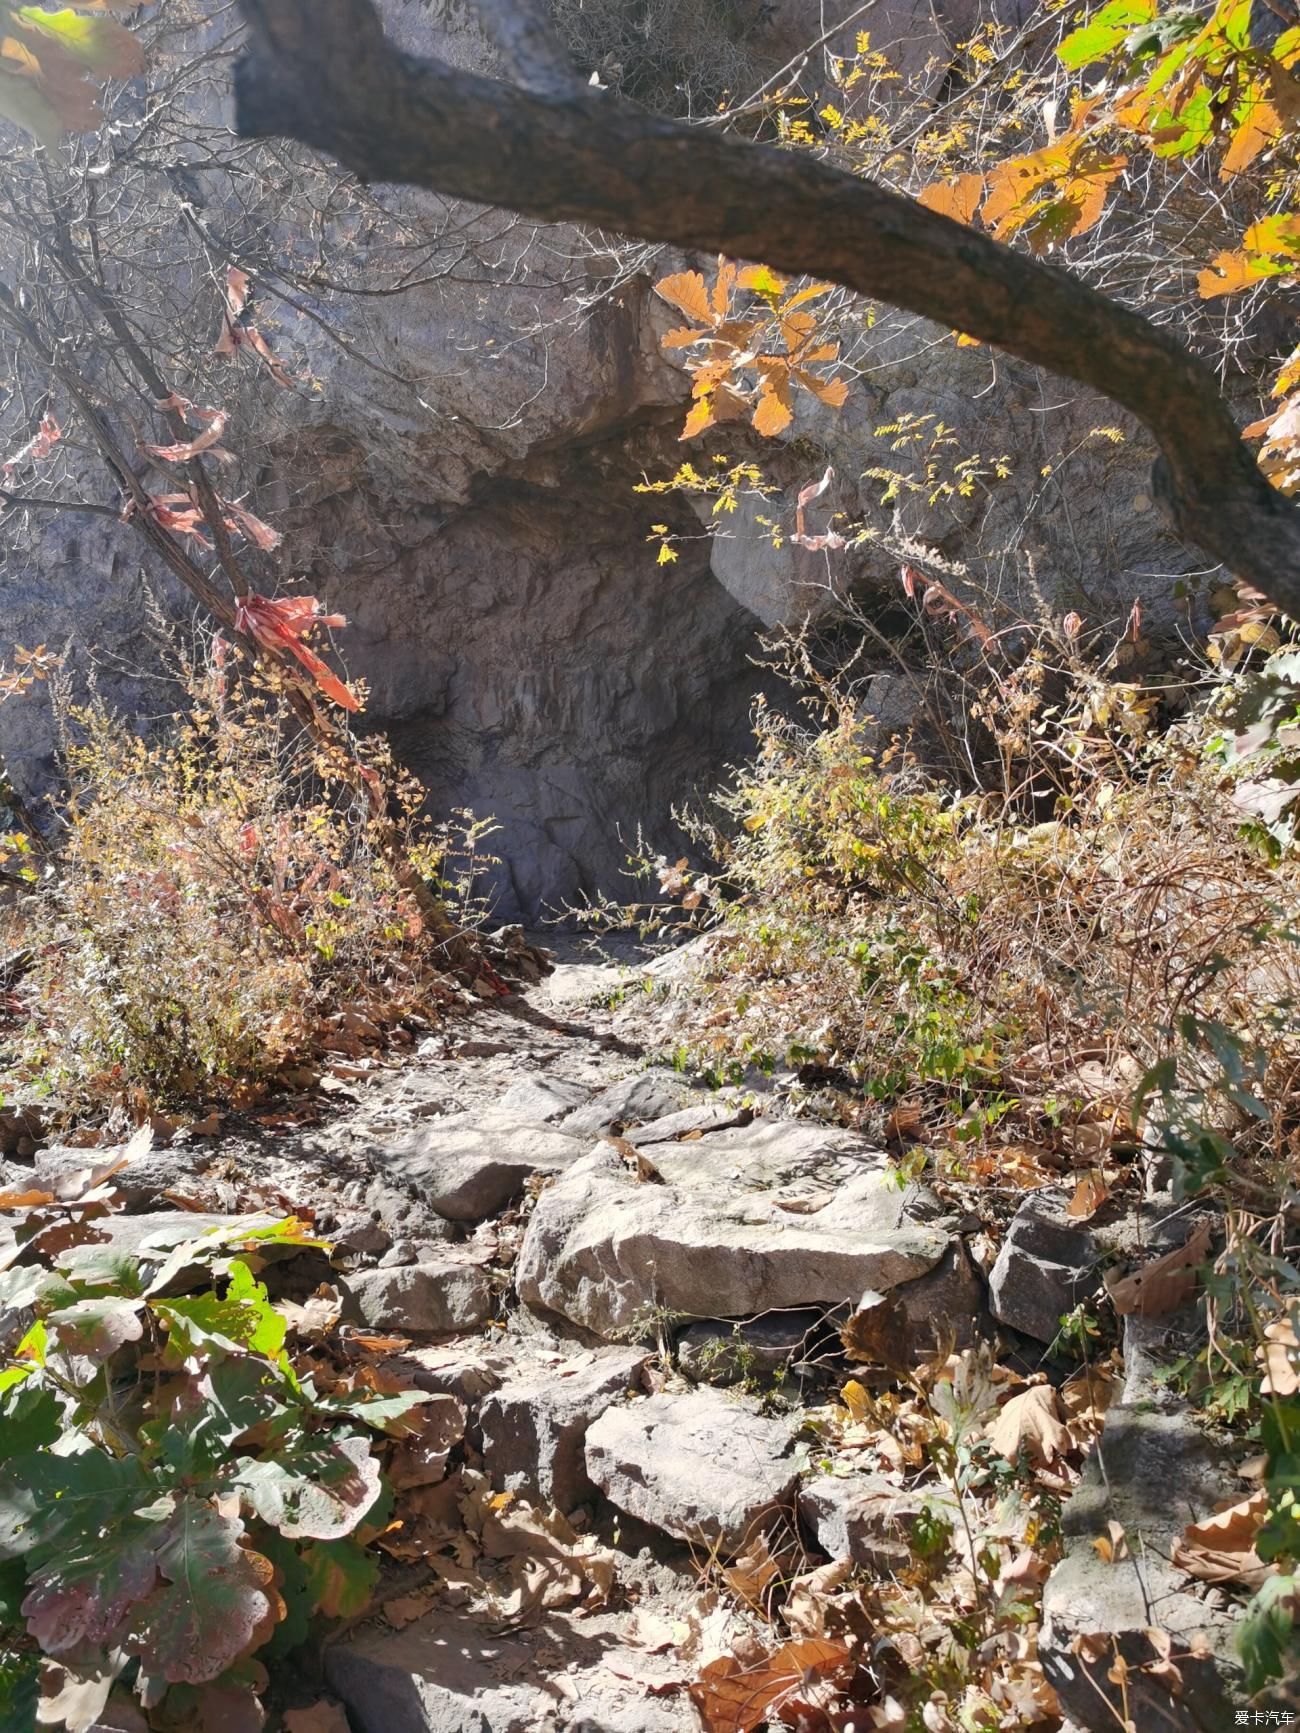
281, 625
40, 445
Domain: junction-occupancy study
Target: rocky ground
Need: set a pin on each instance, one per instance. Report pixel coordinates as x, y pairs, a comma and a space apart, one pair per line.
659, 1483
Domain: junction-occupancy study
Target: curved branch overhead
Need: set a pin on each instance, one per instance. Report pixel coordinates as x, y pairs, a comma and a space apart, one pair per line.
323, 72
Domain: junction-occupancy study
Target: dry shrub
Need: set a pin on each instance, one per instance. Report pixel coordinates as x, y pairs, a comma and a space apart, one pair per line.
220, 906
1017, 961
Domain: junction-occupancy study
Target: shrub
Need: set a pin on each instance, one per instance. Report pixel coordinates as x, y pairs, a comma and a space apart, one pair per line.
1016, 957
221, 905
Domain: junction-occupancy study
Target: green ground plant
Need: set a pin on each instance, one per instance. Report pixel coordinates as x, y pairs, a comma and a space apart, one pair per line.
177, 1495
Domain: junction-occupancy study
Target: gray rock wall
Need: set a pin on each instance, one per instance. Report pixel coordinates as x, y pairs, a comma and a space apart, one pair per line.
454, 470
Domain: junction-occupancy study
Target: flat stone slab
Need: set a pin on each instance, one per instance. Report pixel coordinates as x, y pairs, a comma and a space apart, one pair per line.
765, 1217
1153, 1473
635, 1100
468, 1166
450, 1674
437, 1298
702, 1465
535, 1425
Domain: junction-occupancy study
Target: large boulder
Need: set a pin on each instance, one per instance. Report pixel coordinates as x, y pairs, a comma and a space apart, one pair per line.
704, 1466
452, 1673
767, 1217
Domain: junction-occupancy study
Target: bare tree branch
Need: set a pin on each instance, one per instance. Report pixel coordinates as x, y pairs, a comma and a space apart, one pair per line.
322, 72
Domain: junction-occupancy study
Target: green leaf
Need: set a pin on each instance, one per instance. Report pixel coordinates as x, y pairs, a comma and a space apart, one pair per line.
83, 1595
47, 1500
245, 1393
292, 1581
20, 1689
1104, 33
30, 1418
28, 1287
213, 1603
103, 1267
341, 1577
13, 1586
385, 1413
216, 1242
1266, 1631
244, 1322
318, 1491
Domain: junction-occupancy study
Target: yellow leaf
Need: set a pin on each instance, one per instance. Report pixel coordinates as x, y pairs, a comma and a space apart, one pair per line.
700, 417
853, 1395
666, 555
958, 198
831, 391
1261, 127
1228, 272
681, 338
762, 281
773, 413
686, 291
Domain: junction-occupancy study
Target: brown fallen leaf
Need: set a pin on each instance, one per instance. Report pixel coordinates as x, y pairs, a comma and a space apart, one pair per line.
406, 1609
1164, 1285
1032, 1422
811, 1608
1112, 1547
734, 1698
1280, 1357
1089, 1195
878, 1333
1221, 1548
750, 1576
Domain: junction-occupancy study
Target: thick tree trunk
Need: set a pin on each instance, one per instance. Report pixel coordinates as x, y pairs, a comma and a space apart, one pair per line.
322, 72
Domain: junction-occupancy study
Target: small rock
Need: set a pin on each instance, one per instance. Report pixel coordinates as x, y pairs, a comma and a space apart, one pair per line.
868, 1518
947, 1305
468, 1370
436, 1298
701, 1465
450, 1674
399, 1253
1047, 1265
534, 1427
645, 1096
540, 1100
716, 1352
468, 1166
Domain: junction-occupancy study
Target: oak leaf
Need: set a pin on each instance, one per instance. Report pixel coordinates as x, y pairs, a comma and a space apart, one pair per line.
1030, 1422
1162, 1286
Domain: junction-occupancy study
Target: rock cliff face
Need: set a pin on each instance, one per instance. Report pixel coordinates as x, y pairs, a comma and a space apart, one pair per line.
458, 478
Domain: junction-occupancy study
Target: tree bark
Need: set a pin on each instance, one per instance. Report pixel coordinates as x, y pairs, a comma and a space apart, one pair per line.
323, 73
